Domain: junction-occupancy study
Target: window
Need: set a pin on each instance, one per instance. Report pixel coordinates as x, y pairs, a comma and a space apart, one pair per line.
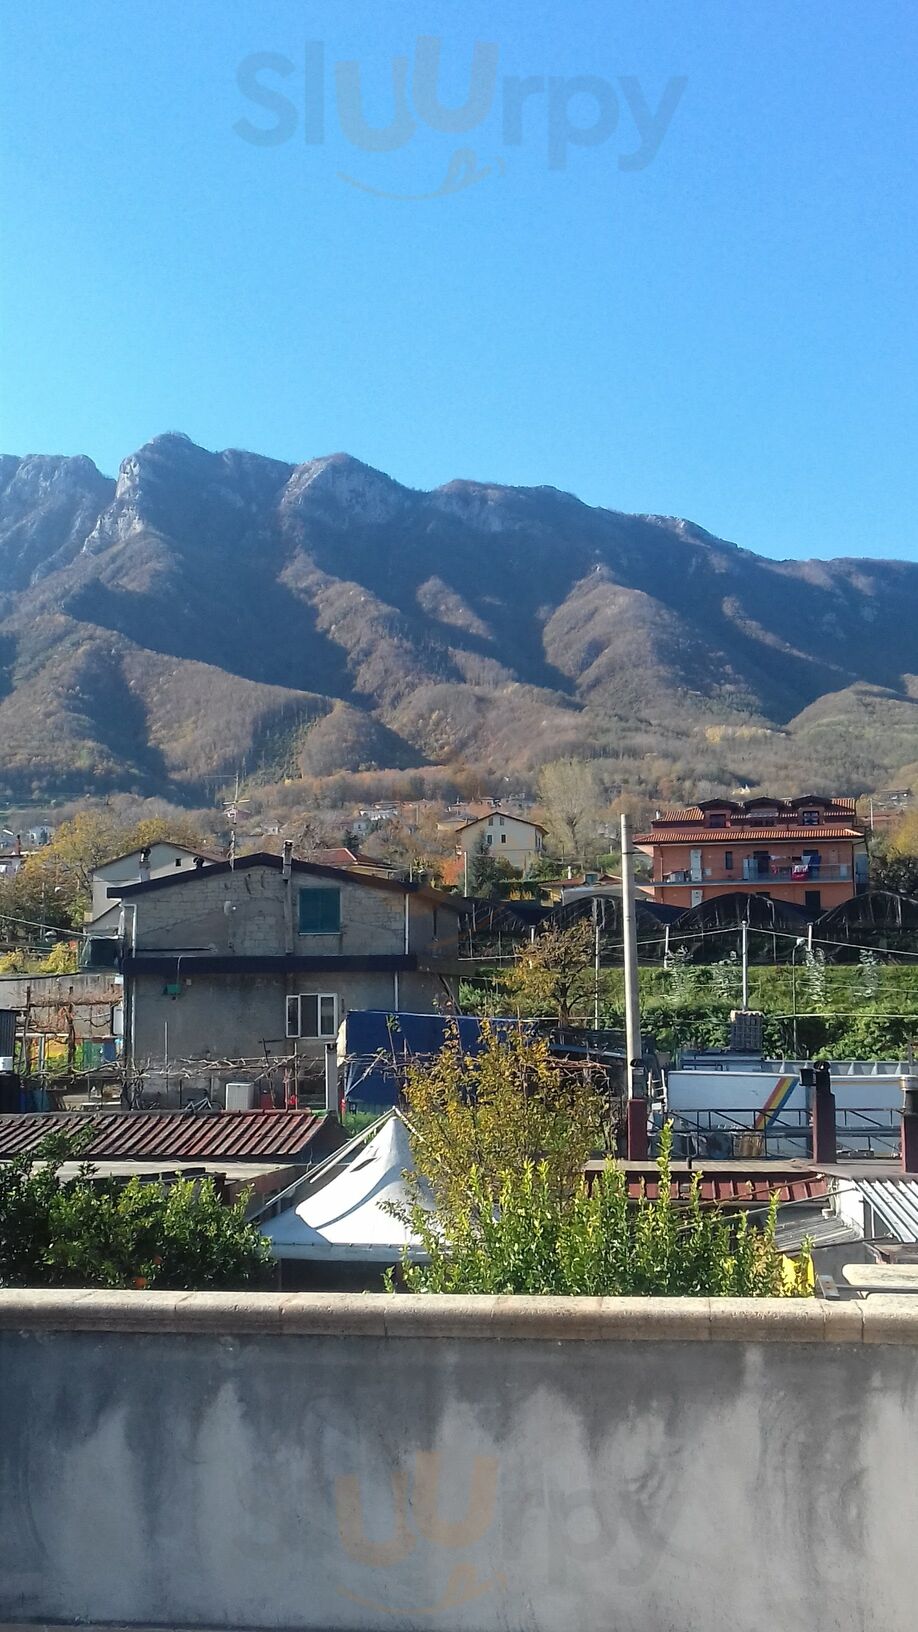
728, 861
811, 818
503, 838
717, 819
320, 911
489, 838
501, 820
812, 900
312, 1014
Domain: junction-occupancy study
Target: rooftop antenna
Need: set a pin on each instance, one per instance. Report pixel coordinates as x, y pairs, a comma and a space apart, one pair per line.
232, 810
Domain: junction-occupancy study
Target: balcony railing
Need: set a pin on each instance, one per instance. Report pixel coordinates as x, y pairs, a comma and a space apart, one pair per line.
778, 873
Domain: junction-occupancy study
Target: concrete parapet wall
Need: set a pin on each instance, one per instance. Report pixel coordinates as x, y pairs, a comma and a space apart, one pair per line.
553, 1465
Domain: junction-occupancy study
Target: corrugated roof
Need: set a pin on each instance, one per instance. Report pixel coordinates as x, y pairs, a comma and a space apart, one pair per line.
172, 1135
744, 833
896, 1203
730, 1187
734, 1192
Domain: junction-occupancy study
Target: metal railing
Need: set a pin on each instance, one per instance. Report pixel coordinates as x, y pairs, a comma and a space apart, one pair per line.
732, 1133
786, 874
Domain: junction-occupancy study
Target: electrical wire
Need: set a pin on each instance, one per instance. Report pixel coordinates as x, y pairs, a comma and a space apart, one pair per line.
33, 923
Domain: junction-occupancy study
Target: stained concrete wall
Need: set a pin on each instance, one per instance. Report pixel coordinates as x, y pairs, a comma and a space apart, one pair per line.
56, 990
204, 1460
243, 912
230, 1017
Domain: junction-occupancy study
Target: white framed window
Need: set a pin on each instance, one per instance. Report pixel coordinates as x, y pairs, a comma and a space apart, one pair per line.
811, 818
489, 838
503, 838
312, 1014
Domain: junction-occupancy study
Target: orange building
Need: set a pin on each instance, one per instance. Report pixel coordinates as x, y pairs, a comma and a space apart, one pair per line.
807, 851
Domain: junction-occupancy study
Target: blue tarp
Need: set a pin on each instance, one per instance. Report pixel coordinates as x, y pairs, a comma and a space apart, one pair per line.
378, 1044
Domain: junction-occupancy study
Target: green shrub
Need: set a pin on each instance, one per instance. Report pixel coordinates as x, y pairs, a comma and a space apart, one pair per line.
89, 1232
538, 1240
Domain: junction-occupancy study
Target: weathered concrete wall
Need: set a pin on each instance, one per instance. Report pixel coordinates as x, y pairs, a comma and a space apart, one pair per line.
194, 916
550, 1465
47, 990
228, 1017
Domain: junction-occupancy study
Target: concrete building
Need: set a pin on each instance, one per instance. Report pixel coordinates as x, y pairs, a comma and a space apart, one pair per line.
265, 958
806, 851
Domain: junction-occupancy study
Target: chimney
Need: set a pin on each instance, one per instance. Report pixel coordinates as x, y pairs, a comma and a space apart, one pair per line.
909, 1146
822, 1104
636, 1129
144, 868
287, 863
18, 844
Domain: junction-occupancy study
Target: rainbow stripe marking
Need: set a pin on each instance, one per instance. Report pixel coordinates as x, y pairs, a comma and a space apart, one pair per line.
766, 1118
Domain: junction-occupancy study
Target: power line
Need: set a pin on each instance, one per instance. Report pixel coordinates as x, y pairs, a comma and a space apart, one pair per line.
33, 923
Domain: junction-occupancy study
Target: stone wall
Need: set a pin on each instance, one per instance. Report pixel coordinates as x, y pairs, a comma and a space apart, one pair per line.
207, 1460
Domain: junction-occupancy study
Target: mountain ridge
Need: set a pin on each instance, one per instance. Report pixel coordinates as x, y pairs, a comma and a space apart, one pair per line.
205, 609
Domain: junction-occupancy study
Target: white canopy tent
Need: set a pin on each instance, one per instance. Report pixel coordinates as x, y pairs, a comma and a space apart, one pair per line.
346, 1221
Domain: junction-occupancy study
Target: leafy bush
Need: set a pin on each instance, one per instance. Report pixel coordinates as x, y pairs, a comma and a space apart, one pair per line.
497, 1111
537, 1240
89, 1232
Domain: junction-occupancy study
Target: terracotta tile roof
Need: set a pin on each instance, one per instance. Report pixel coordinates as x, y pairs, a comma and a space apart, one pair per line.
838, 808
339, 856
744, 833
173, 1135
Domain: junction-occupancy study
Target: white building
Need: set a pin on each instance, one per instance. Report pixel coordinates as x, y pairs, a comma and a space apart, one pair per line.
159, 860
515, 838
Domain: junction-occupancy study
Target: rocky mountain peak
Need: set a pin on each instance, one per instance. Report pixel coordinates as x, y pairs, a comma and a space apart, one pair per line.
344, 491
215, 608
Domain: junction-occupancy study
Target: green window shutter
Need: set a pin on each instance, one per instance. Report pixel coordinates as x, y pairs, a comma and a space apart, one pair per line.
320, 911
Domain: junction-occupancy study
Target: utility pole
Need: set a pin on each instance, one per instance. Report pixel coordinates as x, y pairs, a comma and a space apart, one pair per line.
637, 1103
595, 964
745, 944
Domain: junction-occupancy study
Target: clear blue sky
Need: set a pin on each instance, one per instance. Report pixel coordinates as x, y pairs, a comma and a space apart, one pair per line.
727, 333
